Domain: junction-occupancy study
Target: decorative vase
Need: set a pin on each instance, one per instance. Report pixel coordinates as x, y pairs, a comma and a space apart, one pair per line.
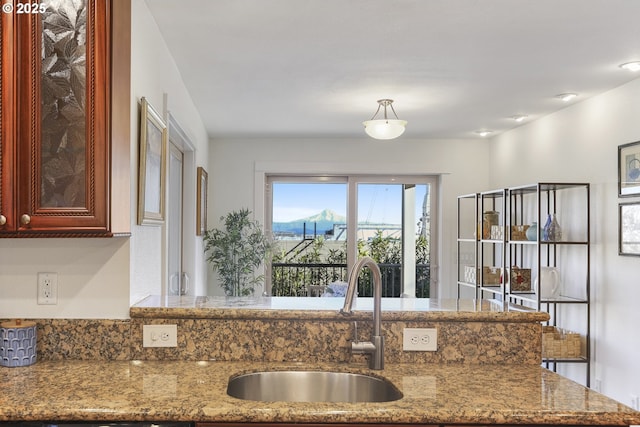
532, 232
552, 231
548, 282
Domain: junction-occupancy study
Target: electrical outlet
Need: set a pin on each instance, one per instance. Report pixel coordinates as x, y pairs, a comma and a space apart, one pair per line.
420, 339
47, 288
159, 335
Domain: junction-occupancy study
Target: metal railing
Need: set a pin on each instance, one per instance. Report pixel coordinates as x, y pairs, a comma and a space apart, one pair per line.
310, 279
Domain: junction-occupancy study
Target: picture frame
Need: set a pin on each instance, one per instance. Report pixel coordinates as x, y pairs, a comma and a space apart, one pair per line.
629, 229
629, 169
201, 202
153, 166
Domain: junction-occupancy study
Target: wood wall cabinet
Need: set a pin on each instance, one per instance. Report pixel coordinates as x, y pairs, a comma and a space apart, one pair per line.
55, 142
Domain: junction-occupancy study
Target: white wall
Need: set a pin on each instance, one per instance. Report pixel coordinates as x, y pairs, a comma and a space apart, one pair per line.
462, 163
579, 144
154, 74
99, 278
93, 277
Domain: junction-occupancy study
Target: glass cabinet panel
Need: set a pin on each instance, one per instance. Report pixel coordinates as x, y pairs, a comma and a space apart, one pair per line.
63, 110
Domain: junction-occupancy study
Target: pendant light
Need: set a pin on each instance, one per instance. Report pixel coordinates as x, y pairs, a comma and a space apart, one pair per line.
384, 128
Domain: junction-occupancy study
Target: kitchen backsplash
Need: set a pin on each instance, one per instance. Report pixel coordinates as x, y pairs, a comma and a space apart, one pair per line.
305, 340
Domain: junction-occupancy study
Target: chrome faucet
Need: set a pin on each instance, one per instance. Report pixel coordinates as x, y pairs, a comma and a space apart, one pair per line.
375, 347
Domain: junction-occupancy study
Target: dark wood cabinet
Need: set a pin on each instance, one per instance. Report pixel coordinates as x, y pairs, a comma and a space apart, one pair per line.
55, 142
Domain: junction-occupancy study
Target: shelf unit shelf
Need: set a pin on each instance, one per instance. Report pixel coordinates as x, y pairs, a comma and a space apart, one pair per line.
543, 243
533, 298
472, 285
467, 241
568, 258
547, 360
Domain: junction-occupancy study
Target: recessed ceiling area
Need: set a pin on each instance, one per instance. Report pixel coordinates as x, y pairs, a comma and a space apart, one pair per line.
316, 68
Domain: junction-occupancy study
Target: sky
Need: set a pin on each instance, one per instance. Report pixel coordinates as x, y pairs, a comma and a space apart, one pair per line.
377, 203
295, 201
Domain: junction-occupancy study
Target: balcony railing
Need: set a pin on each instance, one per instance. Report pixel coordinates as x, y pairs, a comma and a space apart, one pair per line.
294, 279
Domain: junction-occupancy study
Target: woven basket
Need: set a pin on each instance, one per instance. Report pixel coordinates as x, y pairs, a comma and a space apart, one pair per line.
492, 275
519, 232
558, 343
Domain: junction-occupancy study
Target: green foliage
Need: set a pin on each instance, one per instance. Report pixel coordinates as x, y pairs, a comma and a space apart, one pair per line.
422, 250
337, 256
294, 281
385, 249
236, 250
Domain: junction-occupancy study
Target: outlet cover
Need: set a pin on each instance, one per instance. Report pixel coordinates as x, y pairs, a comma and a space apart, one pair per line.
420, 339
47, 288
159, 335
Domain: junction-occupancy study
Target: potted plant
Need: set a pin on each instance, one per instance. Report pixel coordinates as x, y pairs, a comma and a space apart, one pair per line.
236, 250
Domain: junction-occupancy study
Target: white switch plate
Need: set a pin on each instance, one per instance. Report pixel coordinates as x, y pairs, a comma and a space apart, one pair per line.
159, 335
420, 339
47, 288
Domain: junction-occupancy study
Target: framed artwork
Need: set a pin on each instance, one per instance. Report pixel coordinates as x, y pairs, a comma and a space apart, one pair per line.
629, 169
153, 169
201, 202
629, 229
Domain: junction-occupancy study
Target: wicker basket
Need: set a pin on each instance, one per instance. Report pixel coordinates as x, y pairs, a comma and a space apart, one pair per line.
519, 232
559, 343
492, 275
497, 232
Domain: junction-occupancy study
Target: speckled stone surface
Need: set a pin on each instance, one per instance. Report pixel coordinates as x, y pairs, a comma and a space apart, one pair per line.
405, 309
298, 329
196, 391
86, 339
330, 341
313, 329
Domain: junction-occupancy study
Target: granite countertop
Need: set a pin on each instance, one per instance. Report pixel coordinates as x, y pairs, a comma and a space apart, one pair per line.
452, 310
196, 391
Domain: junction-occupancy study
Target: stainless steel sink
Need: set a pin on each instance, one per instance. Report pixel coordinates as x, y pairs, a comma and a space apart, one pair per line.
311, 386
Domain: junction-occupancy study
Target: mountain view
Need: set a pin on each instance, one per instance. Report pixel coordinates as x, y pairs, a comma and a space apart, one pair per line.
323, 222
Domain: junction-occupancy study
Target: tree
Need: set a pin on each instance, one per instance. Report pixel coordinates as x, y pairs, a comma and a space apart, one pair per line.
236, 250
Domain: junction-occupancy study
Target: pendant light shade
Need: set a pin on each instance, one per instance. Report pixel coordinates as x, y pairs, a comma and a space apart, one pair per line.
384, 128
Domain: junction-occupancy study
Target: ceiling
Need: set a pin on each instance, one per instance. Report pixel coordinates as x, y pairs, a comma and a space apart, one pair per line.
315, 68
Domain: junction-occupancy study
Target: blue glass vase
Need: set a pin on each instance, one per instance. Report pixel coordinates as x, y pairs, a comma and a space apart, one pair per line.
552, 231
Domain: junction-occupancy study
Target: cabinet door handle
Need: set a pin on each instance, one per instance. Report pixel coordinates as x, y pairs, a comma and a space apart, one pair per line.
3, 219
25, 219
